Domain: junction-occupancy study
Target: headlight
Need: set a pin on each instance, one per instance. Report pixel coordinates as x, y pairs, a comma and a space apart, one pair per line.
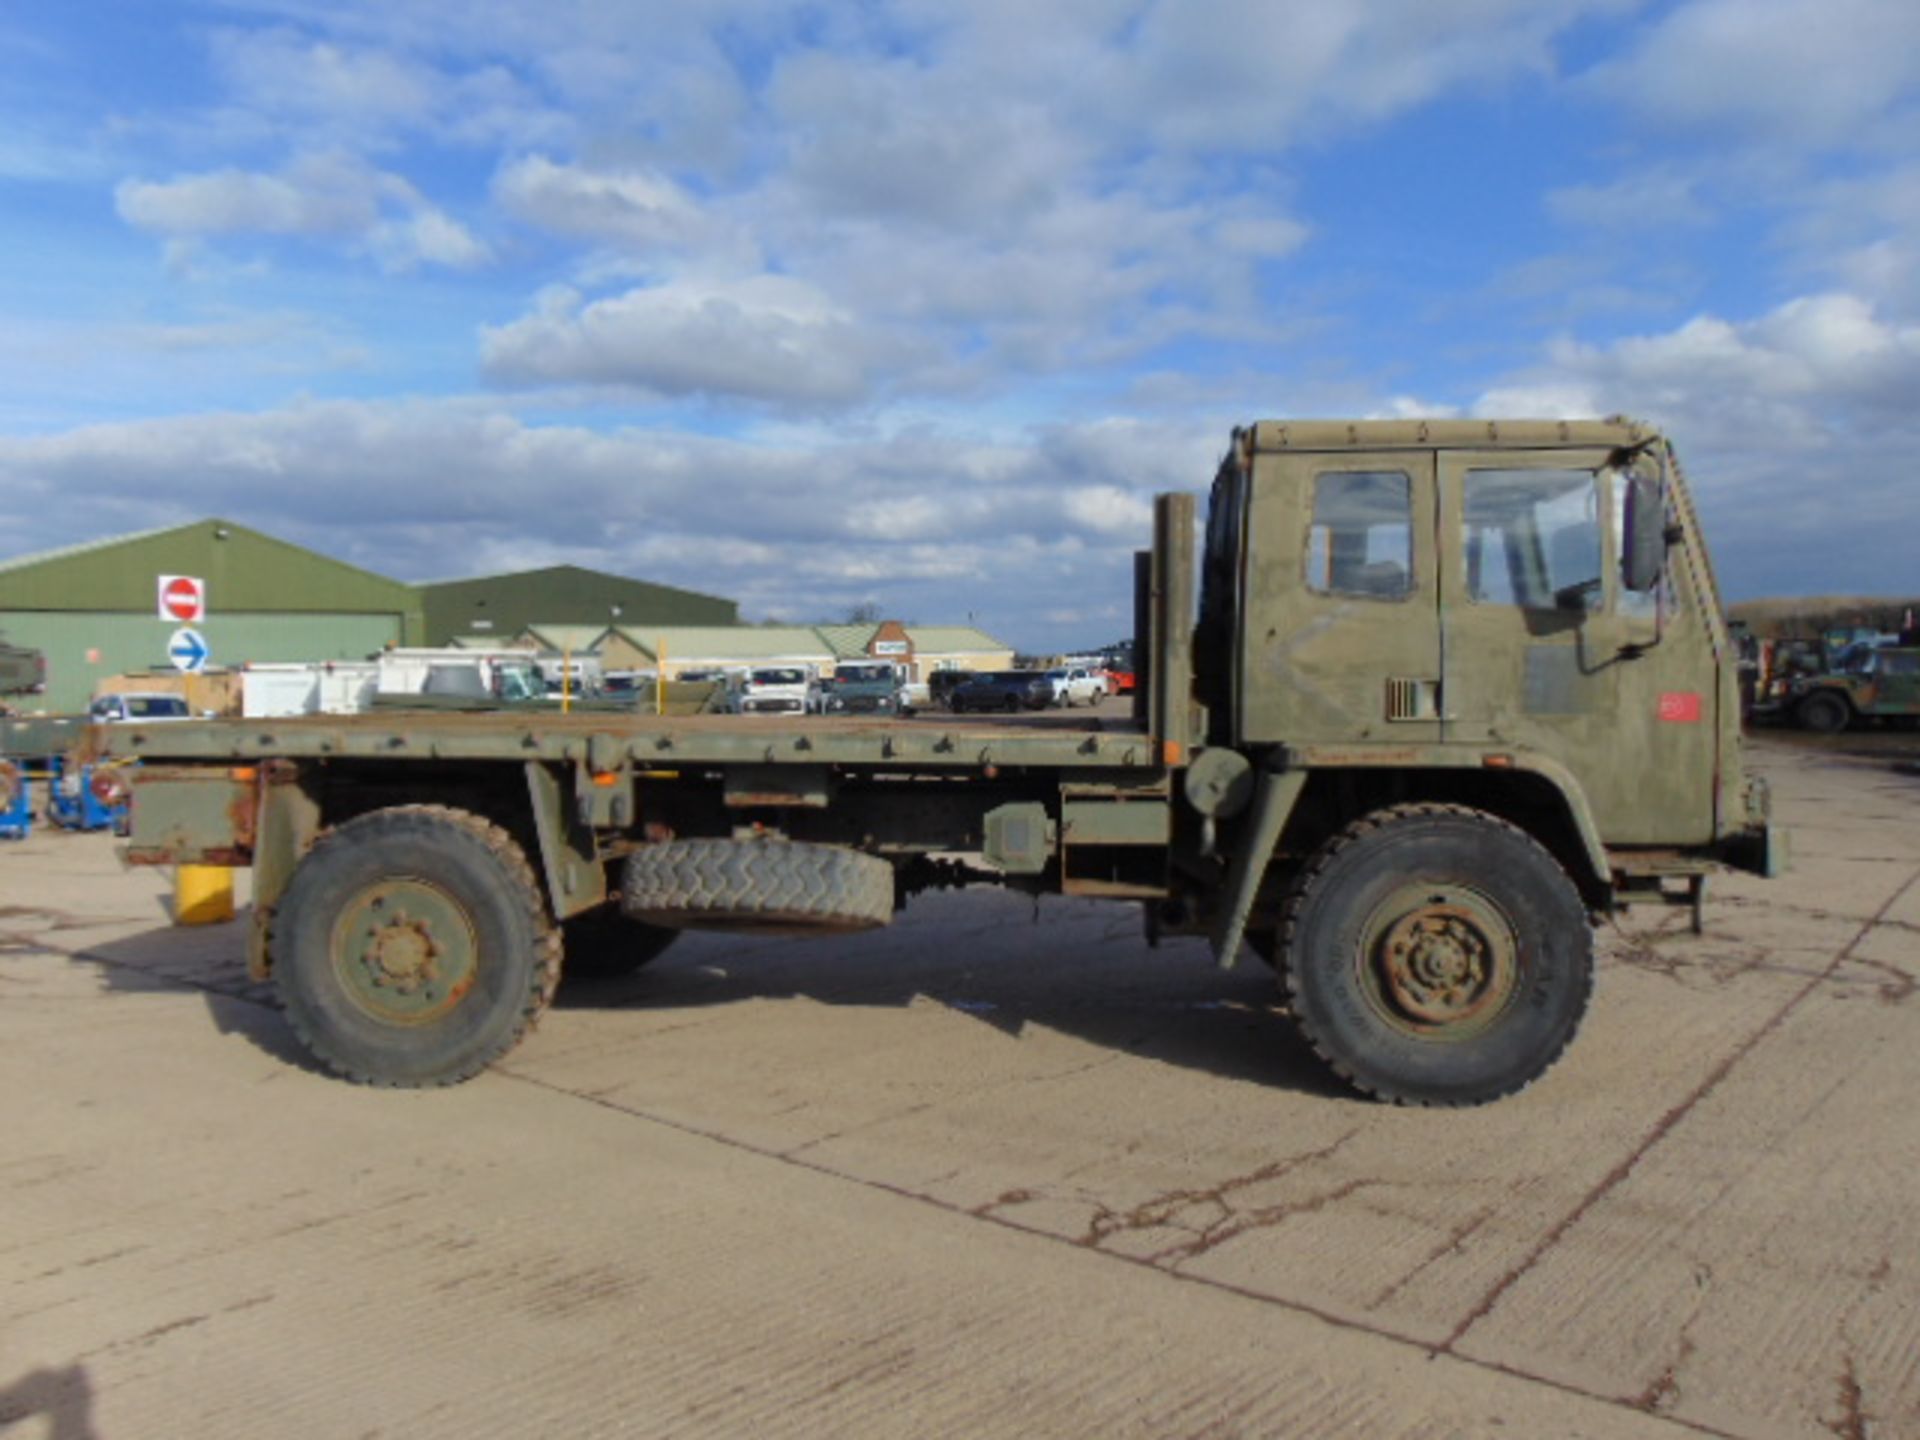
836, 703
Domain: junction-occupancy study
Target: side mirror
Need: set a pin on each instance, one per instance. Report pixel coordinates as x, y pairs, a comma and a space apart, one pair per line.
1645, 537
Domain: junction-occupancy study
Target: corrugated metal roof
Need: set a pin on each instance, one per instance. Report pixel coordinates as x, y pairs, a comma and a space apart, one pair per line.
545, 572
847, 641
569, 637
729, 642
952, 639
88, 547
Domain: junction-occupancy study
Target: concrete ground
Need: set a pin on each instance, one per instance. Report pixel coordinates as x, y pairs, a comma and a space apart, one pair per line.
995, 1171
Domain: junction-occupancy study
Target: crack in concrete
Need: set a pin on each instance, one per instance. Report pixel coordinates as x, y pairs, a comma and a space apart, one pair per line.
1662, 1394
1664, 1127
1456, 1238
1855, 1420
1208, 1215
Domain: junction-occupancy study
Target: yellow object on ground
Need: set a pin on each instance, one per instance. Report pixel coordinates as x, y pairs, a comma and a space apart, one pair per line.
202, 894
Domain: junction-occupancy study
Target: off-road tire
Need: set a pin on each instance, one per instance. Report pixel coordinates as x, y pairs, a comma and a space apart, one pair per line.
1824, 713
1375, 885
486, 881
767, 885
604, 943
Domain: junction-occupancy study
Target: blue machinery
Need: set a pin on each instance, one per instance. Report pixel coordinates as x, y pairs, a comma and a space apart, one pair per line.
91, 797
16, 802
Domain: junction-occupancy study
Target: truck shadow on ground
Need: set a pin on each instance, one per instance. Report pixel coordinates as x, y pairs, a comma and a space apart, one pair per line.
62, 1395
1073, 968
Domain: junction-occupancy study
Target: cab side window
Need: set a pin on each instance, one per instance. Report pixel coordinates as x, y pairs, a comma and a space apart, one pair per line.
1361, 540
1533, 539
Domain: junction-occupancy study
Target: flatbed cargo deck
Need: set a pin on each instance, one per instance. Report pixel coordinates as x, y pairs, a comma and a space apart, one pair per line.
1066, 741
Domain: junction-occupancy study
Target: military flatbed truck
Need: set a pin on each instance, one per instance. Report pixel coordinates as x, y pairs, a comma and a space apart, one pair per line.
1454, 691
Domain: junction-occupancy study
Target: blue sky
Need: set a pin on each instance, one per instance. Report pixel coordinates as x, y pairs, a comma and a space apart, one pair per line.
919, 304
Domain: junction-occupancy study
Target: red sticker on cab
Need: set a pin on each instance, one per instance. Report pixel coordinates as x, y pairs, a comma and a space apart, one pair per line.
1680, 707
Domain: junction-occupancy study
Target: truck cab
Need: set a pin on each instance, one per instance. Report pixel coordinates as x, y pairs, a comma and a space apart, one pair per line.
1464, 594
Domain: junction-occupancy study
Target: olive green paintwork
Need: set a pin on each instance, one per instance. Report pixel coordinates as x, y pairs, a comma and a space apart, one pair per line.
1632, 696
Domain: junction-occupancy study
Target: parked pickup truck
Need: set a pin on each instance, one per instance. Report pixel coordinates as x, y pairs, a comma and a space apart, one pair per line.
147, 708
1077, 685
1455, 691
769, 690
865, 687
1010, 690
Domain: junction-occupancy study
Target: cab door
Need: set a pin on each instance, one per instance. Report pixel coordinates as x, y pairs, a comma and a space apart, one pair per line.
1544, 649
1340, 638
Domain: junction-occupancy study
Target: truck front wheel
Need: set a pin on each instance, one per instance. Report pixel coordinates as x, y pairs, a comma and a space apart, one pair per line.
1436, 955
413, 947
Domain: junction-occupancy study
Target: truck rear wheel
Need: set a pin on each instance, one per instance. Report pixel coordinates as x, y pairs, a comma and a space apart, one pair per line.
413, 947
1824, 713
768, 885
604, 943
1436, 955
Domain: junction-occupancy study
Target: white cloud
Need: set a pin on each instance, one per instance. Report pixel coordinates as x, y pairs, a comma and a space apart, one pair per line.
935, 524
431, 237
328, 196
1792, 73
1794, 422
317, 196
764, 338
635, 209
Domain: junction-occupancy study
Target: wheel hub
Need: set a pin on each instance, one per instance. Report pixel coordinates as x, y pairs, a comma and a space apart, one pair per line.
1437, 964
401, 953
1440, 962
405, 951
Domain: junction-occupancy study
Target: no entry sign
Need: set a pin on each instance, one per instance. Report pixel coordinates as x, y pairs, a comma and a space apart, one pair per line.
183, 599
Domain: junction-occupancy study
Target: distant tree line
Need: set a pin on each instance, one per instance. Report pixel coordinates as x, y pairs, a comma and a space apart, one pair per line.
1806, 616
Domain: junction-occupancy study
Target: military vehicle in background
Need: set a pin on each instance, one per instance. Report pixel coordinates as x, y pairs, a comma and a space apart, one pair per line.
1862, 683
1455, 691
22, 672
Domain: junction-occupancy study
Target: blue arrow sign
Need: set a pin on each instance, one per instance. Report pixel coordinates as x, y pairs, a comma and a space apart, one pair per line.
188, 651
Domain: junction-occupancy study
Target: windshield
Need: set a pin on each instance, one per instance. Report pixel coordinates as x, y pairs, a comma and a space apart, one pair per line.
861, 674
520, 685
779, 677
156, 707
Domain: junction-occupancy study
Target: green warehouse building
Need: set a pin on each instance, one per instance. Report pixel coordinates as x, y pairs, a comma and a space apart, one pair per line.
508, 605
94, 609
